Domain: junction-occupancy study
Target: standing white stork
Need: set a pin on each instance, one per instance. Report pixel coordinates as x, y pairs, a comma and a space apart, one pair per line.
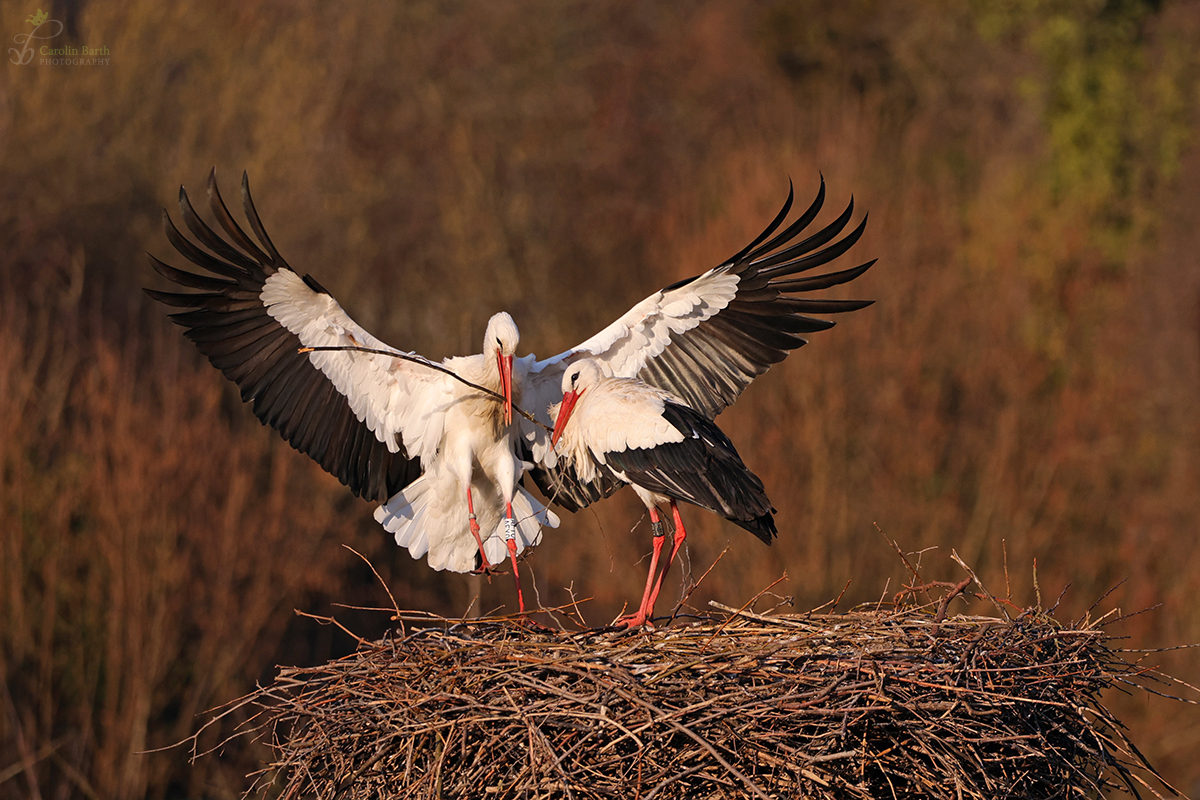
667, 451
703, 340
437, 453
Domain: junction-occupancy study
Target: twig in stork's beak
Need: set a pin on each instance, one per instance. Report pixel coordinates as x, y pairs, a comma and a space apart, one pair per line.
564, 413
505, 365
425, 363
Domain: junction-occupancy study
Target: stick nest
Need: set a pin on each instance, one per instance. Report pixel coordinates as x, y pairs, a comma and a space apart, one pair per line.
869, 704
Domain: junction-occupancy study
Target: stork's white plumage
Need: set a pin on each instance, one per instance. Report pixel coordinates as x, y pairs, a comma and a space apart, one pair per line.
438, 454
665, 450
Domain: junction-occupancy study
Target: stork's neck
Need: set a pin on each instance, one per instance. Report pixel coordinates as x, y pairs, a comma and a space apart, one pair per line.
484, 371
491, 371
481, 370
573, 448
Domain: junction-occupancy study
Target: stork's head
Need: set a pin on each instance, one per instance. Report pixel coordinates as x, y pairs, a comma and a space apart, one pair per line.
579, 377
501, 339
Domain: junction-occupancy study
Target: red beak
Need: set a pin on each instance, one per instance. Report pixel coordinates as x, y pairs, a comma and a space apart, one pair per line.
564, 413
505, 365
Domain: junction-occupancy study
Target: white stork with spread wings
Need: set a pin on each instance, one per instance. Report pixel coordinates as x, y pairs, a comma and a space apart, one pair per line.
666, 450
436, 452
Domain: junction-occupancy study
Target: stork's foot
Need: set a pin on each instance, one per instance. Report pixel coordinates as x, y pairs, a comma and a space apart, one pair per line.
633, 622
482, 566
534, 626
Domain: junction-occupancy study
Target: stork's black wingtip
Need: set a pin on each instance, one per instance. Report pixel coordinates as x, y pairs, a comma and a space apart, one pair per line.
248, 205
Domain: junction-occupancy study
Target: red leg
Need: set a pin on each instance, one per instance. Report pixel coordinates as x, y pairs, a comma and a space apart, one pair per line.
510, 538
680, 535
483, 559
643, 613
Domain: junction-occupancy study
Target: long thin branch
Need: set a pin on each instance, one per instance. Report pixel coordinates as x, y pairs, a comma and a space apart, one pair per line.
426, 363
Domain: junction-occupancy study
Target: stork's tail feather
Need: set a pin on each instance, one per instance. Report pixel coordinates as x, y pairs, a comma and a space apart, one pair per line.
763, 527
405, 516
429, 518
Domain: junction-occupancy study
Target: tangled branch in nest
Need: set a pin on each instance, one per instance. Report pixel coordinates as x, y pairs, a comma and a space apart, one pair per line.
869, 704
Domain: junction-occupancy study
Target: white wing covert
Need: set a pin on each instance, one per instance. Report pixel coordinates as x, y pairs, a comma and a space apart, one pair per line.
403, 403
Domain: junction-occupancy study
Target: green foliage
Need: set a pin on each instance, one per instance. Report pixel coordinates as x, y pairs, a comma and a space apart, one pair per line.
1114, 114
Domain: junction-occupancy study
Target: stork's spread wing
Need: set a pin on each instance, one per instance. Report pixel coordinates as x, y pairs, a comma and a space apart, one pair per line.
706, 338
367, 419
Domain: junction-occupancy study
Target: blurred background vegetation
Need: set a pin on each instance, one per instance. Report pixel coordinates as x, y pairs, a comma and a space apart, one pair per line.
1027, 383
